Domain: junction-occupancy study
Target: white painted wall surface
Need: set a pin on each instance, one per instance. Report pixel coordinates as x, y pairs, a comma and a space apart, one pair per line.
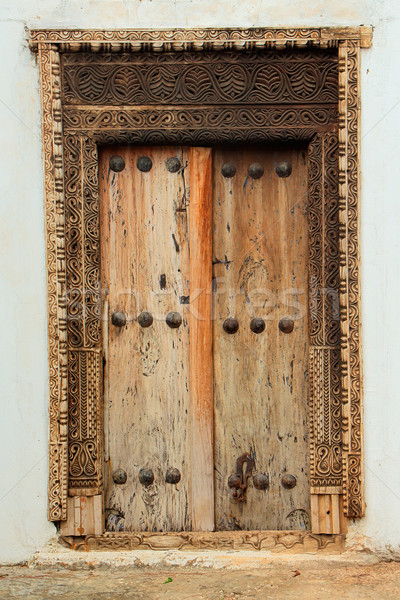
23, 438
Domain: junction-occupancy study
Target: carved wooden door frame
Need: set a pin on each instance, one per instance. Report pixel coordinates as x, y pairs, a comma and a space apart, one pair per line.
102, 87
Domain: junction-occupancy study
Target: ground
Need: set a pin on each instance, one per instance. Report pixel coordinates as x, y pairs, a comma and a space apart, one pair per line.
311, 580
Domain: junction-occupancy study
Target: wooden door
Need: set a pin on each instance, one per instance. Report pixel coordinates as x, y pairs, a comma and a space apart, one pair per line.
260, 251
156, 277
191, 403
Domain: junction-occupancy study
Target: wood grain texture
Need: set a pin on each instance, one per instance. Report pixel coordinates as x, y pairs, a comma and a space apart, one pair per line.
326, 511
85, 516
201, 366
260, 246
145, 267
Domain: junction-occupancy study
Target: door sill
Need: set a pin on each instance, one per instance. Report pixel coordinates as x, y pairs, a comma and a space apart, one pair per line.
293, 542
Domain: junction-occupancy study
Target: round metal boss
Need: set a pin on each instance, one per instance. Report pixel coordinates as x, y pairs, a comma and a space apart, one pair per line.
286, 325
257, 325
173, 476
231, 325
283, 169
228, 169
146, 477
234, 481
145, 319
288, 481
173, 320
261, 481
255, 170
117, 164
118, 319
119, 476
173, 164
144, 164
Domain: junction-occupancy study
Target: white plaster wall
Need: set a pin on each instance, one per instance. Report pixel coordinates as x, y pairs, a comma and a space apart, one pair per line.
23, 365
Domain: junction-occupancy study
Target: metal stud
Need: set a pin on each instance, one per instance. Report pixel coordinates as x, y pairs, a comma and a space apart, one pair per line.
173, 320
283, 169
117, 164
228, 169
146, 477
257, 325
234, 481
144, 164
255, 170
288, 481
231, 325
173, 164
286, 325
261, 481
173, 476
119, 476
145, 319
118, 319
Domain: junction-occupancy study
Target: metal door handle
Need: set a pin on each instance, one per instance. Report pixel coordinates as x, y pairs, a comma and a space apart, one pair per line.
238, 481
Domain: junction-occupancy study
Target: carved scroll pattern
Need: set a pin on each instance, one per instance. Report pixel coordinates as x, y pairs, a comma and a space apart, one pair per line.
85, 421
235, 540
49, 61
82, 241
82, 248
198, 39
262, 78
290, 94
231, 121
325, 389
349, 135
304, 85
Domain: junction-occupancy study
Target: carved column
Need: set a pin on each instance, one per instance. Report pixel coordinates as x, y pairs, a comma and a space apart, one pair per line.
50, 85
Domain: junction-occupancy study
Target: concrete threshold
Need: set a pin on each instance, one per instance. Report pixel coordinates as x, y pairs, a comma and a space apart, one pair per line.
55, 555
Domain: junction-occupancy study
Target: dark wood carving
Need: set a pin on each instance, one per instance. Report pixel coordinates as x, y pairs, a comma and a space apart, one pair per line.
324, 367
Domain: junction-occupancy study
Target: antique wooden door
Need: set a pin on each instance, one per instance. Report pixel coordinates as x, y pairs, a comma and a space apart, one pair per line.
205, 327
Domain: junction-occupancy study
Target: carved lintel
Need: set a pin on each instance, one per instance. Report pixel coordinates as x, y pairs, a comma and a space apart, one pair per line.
136, 40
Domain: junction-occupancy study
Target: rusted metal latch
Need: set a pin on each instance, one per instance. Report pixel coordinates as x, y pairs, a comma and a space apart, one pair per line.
238, 481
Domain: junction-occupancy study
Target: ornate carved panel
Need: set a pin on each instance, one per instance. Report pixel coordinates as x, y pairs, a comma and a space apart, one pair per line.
349, 169
85, 433
207, 78
118, 89
272, 541
324, 365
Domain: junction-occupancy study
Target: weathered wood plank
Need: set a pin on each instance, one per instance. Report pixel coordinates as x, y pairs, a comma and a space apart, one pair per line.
145, 267
85, 516
201, 367
326, 513
260, 251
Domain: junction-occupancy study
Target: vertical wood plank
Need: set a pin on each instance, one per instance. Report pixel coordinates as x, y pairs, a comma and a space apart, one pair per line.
201, 368
85, 516
315, 525
260, 255
326, 513
145, 267
335, 510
